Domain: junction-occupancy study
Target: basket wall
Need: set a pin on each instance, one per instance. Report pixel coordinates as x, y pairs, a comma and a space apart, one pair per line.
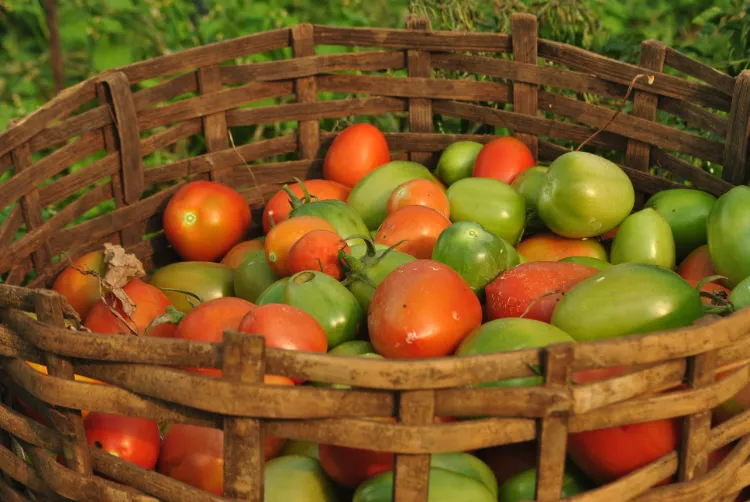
119, 124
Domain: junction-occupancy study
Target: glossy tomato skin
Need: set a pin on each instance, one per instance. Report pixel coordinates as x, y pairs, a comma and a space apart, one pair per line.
344, 219
729, 234
134, 439
551, 247
644, 237
149, 302
205, 279
418, 226
204, 220
587, 260
279, 206
529, 184
457, 161
318, 250
80, 290
522, 486
356, 151
422, 309
253, 276
350, 467
740, 296
503, 159
273, 293
283, 236
697, 265
533, 288
239, 252
419, 192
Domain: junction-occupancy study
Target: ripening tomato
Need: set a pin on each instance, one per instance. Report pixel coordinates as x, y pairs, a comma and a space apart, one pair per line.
532, 290
239, 252
503, 159
279, 206
356, 151
204, 220
318, 250
207, 322
150, 302
351, 467
283, 236
697, 265
422, 309
418, 226
419, 192
715, 289
134, 439
551, 247
81, 290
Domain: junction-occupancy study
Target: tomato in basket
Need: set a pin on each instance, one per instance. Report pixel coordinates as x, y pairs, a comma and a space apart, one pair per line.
318, 250
283, 236
503, 159
697, 265
356, 151
81, 290
417, 226
551, 247
241, 250
279, 206
134, 439
419, 192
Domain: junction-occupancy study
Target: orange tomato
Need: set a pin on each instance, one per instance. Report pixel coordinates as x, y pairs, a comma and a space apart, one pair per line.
81, 290
356, 151
318, 250
279, 206
697, 265
419, 192
283, 236
237, 254
712, 288
350, 467
503, 159
551, 247
420, 226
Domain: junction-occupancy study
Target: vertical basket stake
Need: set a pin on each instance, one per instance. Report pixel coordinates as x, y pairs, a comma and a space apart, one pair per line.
552, 436
412, 472
645, 105
244, 361
737, 146
215, 124
525, 96
306, 90
696, 428
420, 109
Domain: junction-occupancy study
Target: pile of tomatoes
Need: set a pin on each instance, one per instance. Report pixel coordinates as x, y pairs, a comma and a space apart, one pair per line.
383, 258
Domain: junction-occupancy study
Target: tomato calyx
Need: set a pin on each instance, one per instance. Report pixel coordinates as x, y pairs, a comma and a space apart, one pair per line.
357, 269
720, 303
172, 316
295, 201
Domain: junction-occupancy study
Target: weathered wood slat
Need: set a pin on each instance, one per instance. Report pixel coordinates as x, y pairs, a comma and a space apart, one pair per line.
705, 180
306, 91
76, 125
164, 91
701, 71
214, 124
736, 163
525, 96
164, 138
10, 226
420, 109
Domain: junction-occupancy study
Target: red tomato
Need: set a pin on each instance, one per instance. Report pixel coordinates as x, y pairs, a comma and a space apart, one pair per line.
503, 159
286, 327
237, 254
356, 151
134, 439
551, 247
418, 226
539, 283
207, 322
318, 250
204, 219
81, 290
149, 302
422, 309
697, 265
283, 236
712, 288
419, 192
279, 206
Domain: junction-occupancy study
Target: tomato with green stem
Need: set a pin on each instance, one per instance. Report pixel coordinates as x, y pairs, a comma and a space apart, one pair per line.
279, 206
318, 250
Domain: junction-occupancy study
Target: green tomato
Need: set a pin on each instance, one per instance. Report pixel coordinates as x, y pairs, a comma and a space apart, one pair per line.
514, 258
529, 184
207, 280
740, 296
253, 276
522, 486
477, 255
273, 293
584, 195
588, 260
468, 465
644, 237
729, 234
329, 302
299, 478
444, 486
457, 161
491, 203
344, 219
686, 211
627, 299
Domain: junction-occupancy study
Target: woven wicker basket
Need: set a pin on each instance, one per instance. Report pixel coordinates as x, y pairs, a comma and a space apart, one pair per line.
143, 384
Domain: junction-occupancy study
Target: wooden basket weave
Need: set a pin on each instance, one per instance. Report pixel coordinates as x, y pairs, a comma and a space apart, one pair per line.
139, 368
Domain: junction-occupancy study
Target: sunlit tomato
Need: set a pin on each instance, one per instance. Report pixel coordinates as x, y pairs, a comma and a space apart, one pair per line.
134, 439
318, 250
283, 236
279, 206
204, 219
150, 302
422, 309
503, 159
356, 151
418, 226
207, 322
697, 265
419, 192
285, 327
532, 290
551, 247
238, 253
81, 290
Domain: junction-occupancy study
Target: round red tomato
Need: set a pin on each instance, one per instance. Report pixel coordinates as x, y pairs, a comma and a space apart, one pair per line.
134, 439
422, 309
551, 247
318, 250
540, 283
419, 192
239, 252
150, 302
356, 151
697, 265
279, 206
283, 236
81, 290
503, 159
418, 226
207, 322
204, 219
